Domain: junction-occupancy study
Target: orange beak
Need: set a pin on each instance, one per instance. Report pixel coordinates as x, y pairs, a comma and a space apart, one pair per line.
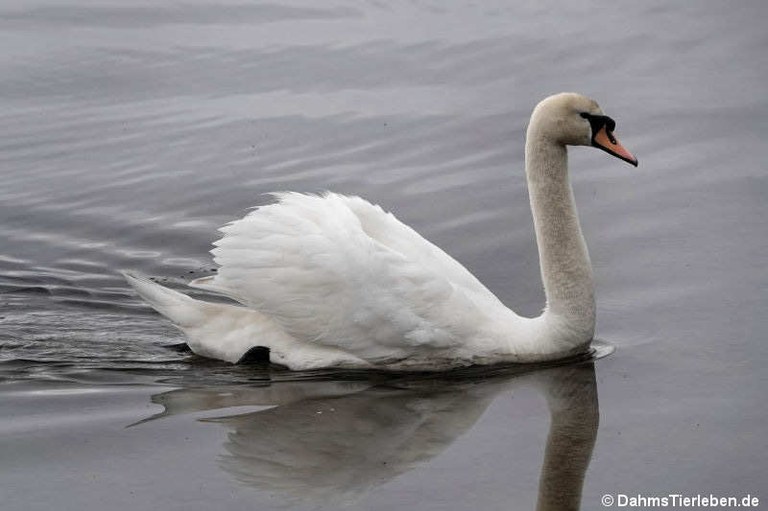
605, 140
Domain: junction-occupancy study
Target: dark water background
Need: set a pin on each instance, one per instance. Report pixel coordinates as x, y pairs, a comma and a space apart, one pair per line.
130, 131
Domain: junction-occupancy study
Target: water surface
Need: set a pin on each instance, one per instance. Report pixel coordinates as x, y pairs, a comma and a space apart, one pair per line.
129, 132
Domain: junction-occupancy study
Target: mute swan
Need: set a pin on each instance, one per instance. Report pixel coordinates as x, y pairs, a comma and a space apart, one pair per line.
334, 281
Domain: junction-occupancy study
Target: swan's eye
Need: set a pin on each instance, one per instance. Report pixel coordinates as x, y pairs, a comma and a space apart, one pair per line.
585, 115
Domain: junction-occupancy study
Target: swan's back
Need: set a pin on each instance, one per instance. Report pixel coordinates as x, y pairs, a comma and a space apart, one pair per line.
339, 271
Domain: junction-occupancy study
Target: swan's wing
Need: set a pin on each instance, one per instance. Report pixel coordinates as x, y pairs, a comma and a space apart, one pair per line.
392, 233
341, 272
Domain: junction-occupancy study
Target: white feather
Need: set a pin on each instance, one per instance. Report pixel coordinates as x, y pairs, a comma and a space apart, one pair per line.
338, 271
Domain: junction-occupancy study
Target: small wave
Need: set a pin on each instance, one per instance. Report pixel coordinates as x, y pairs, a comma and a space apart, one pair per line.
174, 364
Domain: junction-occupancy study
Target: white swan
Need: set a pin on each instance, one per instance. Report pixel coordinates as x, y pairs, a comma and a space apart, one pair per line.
334, 281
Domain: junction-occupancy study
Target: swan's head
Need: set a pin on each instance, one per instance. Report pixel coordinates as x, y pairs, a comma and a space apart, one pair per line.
573, 119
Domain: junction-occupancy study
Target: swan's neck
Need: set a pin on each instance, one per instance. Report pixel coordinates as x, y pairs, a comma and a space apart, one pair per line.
563, 257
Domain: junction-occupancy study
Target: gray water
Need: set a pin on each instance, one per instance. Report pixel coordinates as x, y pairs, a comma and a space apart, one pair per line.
130, 132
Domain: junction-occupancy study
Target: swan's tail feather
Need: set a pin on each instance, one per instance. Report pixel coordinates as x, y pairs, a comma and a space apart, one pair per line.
208, 284
181, 309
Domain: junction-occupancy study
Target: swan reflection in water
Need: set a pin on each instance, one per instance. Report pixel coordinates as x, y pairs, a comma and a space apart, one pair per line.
333, 441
